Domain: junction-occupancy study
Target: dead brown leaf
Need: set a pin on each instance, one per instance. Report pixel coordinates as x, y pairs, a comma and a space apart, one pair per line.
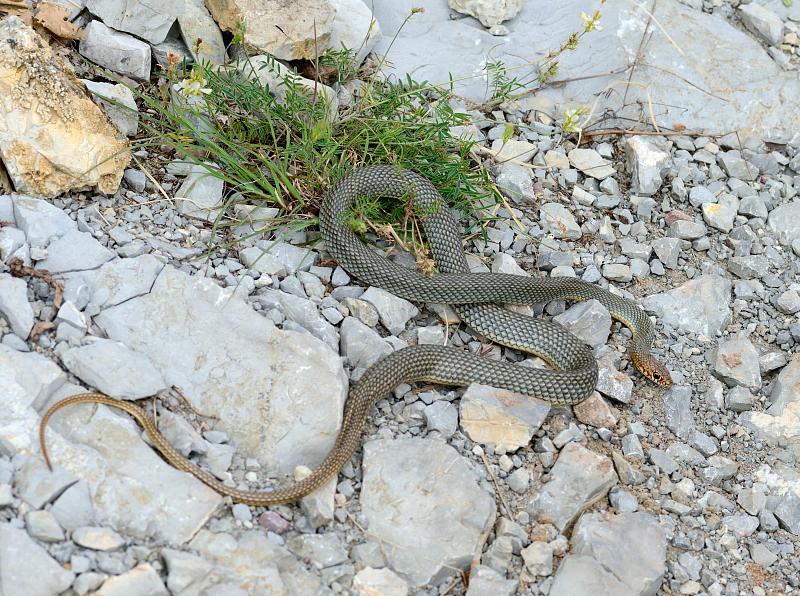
55, 19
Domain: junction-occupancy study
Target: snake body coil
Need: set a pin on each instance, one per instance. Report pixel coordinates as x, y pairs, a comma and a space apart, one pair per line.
475, 297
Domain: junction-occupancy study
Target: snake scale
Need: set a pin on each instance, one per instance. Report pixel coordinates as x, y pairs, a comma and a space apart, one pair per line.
475, 296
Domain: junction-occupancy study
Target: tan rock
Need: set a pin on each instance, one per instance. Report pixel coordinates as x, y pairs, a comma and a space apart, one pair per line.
287, 29
53, 138
489, 12
595, 411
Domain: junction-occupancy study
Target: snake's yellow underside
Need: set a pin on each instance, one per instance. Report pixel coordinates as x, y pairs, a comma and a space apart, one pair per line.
475, 296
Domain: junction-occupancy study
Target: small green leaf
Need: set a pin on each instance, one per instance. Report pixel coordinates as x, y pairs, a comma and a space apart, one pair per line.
508, 132
787, 3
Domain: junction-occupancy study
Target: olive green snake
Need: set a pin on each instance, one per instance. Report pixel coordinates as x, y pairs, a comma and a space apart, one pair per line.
476, 298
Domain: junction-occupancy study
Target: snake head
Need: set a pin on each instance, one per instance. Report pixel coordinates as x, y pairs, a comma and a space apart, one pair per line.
651, 368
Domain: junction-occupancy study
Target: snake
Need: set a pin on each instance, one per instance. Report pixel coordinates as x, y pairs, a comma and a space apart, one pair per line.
478, 299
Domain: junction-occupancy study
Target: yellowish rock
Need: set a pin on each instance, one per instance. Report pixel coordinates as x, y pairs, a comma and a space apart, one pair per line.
53, 138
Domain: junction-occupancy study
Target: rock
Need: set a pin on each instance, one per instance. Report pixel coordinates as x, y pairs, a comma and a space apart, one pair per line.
735, 362
505, 263
763, 22
485, 581
783, 427
183, 569
784, 391
788, 513
135, 180
134, 376
736, 167
789, 302
292, 31
360, 345
741, 525
325, 550
200, 33
53, 138
441, 416
394, 312
613, 383
698, 306
538, 558
558, 221
752, 500
627, 473
717, 44
252, 563
379, 582
646, 159
663, 460
97, 538
748, 267
721, 215
591, 163
43, 526
580, 478
200, 195
116, 51
142, 580
74, 251
354, 28
14, 305
489, 12
739, 399
301, 311
687, 230
595, 411
194, 326
761, 555
621, 554
589, 321
617, 272
784, 221
513, 151
27, 568
499, 417
74, 508
318, 505
118, 103
515, 181
677, 411
144, 20
418, 543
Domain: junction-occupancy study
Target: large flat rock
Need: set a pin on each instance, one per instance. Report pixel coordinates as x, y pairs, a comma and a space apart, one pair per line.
699, 80
277, 394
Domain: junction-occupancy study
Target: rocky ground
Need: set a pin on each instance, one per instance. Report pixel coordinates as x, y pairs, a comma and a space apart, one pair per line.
693, 490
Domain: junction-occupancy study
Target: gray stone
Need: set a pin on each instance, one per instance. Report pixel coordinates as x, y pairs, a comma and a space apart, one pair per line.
277, 258
142, 580
183, 568
761, 555
116, 51
74, 508
200, 195
721, 215
698, 306
788, 513
430, 477
301, 311
748, 267
678, 411
784, 221
515, 182
784, 391
581, 574
736, 167
627, 473
360, 345
617, 272
193, 328
195, 24
519, 480
14, 305
135, 376
613, 383
118, 103
580, 478
144, 20
646, 159
324, 550
661, 459
485, 581
789, 302
34, 483
499, 417
589, 321
752, 500
40, 220
462, 51
75, 251
687, 230
632, 547
370, 581
27, 569
557, 220
735, 362
538, 558
354, 28
97, 538
394, 312
135, 179
668, 250
739, 399
700, 195
441, 416
513, 151
622, 500
116, 282
753, 206
763, 22
43, 526
591, 163
741, 525
505, 263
